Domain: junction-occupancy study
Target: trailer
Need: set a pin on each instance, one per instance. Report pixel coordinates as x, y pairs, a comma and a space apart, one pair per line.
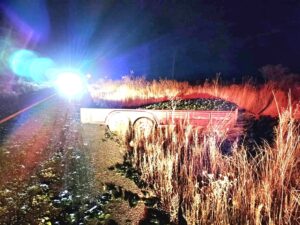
144, 119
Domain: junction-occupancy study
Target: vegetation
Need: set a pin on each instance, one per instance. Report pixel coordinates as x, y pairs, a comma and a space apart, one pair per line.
256, 99
10, 86
195, 182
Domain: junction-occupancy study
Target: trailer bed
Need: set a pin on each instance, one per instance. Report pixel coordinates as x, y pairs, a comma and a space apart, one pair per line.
121, 117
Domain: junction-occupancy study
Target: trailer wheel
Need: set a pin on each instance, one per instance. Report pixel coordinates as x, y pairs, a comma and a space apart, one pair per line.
143, 127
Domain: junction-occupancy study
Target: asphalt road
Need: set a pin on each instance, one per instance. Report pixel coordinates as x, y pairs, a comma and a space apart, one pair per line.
54, 170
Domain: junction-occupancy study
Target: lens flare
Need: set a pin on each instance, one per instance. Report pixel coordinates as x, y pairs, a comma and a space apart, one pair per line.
70, 84
20, 60
39, 67
26, 63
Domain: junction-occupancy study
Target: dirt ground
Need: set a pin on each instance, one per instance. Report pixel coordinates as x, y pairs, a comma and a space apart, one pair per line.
105, 153
54, 170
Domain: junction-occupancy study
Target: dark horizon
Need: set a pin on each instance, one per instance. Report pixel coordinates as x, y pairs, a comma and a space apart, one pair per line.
160, 38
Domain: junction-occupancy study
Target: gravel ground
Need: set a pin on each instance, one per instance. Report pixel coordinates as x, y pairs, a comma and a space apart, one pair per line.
54, 170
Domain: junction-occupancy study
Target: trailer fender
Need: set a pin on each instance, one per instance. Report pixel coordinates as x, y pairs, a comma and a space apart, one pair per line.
117, 122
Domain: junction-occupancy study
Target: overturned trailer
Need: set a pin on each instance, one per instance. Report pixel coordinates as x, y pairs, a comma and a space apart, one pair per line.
158, 114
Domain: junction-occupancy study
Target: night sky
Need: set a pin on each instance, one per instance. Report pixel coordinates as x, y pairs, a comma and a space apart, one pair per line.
188, 40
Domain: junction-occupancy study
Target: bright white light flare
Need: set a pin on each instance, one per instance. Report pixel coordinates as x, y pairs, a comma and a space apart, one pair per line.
70, 84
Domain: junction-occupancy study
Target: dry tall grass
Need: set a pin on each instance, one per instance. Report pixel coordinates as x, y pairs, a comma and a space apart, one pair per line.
256, 99
188, 172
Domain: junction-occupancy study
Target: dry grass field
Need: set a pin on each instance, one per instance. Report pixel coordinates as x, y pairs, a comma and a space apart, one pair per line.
189, 173
264, 99
195, 182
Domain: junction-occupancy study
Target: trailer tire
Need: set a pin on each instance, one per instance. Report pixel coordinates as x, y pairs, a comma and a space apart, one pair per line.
143, 127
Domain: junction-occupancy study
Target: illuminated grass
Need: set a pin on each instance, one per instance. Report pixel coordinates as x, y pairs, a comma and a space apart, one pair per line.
191, 176
189, 172
258, 100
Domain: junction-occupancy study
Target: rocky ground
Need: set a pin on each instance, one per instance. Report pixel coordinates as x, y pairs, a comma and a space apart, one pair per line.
54, 170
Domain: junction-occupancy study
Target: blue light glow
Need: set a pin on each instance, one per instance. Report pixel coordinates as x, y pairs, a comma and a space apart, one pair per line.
39, 67
26, 63
20, 60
